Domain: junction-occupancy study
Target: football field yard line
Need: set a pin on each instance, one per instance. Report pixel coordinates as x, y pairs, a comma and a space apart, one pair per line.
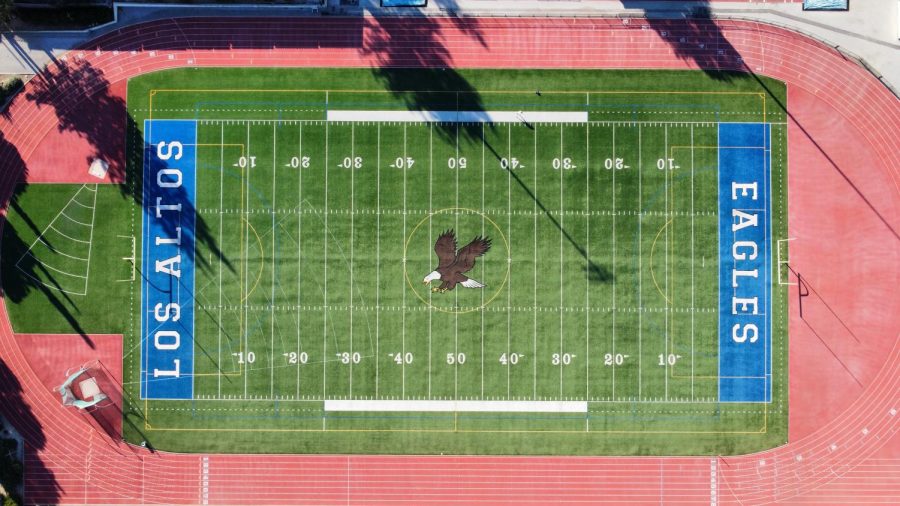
350, 301
325, 285
299, 253
587, 270
509, 263
377, 255
692, 263
613, 365
666, 270
534, 285
274, 263
561, 262
482, 263
221, 239
640, 301
402, 287
431, 237
456, 292
246, 295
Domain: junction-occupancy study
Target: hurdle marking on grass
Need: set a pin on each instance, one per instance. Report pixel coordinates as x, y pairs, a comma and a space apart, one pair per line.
50, 226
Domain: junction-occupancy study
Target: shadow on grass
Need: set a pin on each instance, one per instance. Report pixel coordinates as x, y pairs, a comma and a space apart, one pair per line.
416, 67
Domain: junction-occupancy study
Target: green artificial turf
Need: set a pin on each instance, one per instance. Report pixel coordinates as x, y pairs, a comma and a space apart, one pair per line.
317, 236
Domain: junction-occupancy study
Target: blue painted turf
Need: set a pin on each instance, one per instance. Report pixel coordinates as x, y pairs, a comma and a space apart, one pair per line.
167, 333
745, 373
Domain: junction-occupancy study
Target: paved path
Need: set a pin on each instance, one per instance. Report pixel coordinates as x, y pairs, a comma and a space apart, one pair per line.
869, 29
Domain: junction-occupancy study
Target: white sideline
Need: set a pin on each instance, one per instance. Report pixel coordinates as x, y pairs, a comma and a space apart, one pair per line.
459, 116
458, 406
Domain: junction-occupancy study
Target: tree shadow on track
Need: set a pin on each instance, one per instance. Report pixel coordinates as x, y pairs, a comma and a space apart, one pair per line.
693, 34
84, 104
14, 408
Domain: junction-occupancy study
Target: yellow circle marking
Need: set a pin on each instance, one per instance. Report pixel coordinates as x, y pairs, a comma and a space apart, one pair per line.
455, 311
258, 274
652, 249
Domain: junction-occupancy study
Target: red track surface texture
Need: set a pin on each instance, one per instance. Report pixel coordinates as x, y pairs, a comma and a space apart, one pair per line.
844, 138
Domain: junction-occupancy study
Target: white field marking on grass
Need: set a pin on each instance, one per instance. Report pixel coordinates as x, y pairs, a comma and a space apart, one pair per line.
666, 270
87, 272
325, 279
58, 231
352, 182
692, 263
299, 242
587, 271
221, 219
356, 116
534, 284
450, 406
456, 292
402, 286
509, 265
430, 239
640, 265
246, 295
482, 263
274, 263
377, 253
73, 220
561, 228
614, 265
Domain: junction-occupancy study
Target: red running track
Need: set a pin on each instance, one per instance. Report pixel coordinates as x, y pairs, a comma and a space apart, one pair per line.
844, 138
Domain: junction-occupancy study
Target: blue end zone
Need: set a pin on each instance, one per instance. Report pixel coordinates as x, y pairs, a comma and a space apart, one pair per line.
745, 373
167, 294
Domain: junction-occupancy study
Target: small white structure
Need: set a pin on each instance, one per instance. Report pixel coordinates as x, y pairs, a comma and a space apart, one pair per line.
98, 168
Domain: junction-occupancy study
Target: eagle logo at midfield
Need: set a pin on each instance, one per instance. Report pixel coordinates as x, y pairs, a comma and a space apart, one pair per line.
452, 264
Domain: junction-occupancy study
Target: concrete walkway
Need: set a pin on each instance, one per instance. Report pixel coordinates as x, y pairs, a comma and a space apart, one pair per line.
869, 30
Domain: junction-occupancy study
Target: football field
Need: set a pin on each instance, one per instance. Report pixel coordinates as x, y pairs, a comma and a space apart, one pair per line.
286, 235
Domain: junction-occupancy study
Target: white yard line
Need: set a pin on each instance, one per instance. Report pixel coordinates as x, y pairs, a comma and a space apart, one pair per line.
430, 240
509, 262
402, 287
456, 292
246, 295
325, 282
221, 227
587, 271
451, 406
534, 285
561, 228
394, 116
666, 270
299, 242
692, 263
613, 365
352, 182
274, 263
377, 256
640, 267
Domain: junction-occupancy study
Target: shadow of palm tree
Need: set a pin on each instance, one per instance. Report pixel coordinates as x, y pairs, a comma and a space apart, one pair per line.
415, 66
100, 117
694, 35
22, 274
40, 481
